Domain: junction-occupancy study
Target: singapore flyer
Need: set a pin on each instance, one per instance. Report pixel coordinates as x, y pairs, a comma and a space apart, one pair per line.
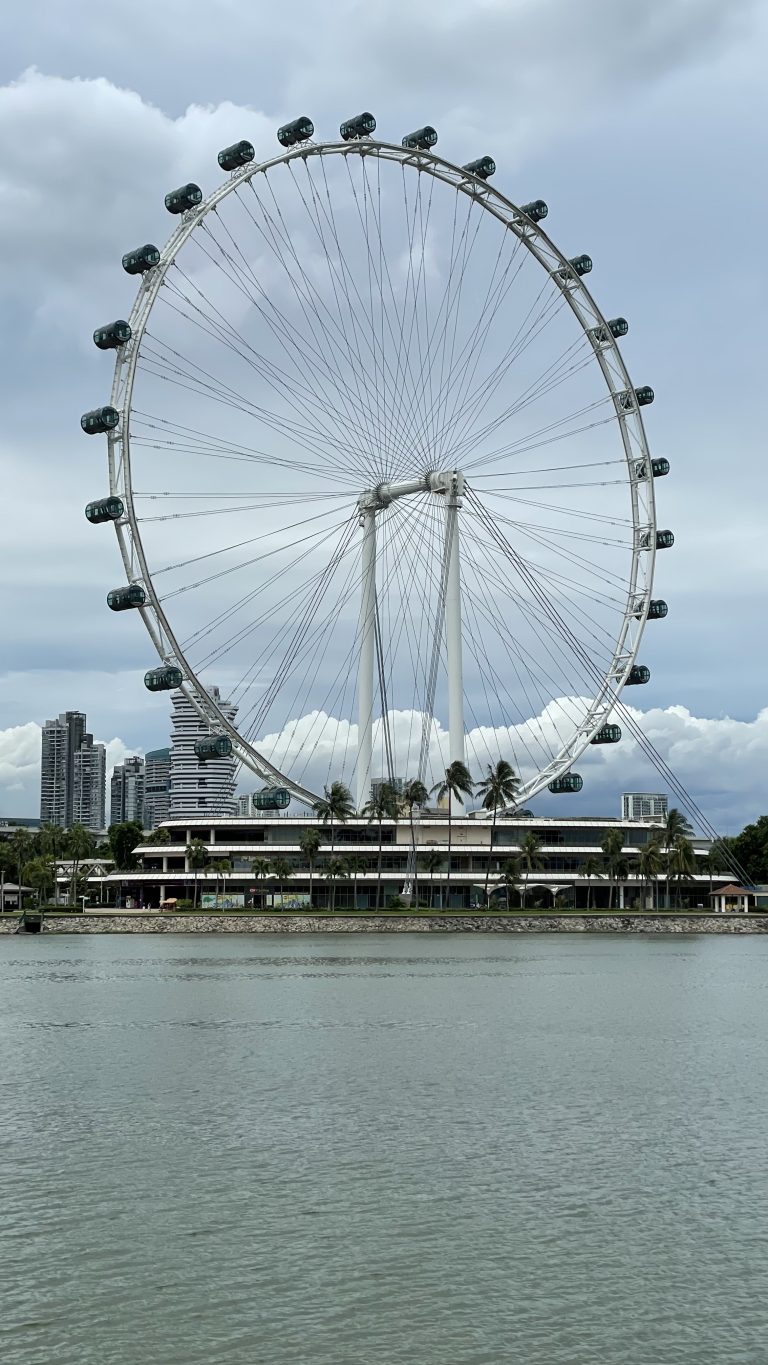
377, 467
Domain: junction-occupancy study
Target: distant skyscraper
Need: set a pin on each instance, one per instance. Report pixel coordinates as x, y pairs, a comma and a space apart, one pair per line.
157, 787
199, 788
127, 792
644, 806
61, 740
90, 785
245, 805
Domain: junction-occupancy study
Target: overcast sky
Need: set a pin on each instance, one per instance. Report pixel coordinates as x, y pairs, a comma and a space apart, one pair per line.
643, 126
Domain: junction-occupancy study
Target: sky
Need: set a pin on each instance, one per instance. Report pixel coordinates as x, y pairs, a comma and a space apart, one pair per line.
642, 126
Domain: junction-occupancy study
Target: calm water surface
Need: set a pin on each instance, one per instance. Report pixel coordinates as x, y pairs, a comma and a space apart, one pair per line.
368, 1150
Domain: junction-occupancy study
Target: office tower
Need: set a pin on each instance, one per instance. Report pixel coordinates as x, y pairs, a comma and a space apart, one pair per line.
644, 806
245, 805
157, 787
61, 740
90, 784
127, 792
199, 788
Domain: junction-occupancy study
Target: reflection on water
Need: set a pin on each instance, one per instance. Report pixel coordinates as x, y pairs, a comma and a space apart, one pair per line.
464, 1151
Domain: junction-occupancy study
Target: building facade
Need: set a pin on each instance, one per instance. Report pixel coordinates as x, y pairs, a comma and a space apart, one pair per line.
157, 787
199, 788
127, 792
61, 740
90, 785
644, 806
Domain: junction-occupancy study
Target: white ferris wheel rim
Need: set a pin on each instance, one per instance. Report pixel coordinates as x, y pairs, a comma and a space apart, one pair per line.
607, 355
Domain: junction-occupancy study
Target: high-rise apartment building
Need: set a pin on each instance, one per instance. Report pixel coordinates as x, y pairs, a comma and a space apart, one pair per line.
644, 806
90, 785
157, 787
61, 740
199, 788
127, 791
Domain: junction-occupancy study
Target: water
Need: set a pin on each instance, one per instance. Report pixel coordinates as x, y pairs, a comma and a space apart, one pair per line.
367, 1150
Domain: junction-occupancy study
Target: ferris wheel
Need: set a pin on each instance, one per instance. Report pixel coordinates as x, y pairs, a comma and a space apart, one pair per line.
378, 470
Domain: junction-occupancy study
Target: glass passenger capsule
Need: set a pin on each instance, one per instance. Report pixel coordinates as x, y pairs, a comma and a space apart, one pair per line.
607, 734
300, 130
362, 125
185, 197
638, 674
616, 327
659, 468
657, 609
113, 335
122, 599
104, 509
664, 540
483, 168
99, 420
271, 798
143, 258
423, 139
163, 679
213, 746
239, 154
536, 210
569, 782
581, 265
644, 396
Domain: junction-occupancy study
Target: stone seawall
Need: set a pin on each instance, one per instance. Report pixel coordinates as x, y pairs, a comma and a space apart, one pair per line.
90, 923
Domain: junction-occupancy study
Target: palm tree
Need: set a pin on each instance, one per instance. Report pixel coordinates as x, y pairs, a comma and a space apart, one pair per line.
353, 867
509, 876
41, 874
498, 788
650, 861
432, 863
681, 861
530, 854
384, 805
613, 851
414, 794
591, 867
336, 805
334, 868
80, 843
456, 783
21, 845
675, 824
260, 868
222, 866
309, 846
197, 859
714, 864
281, 870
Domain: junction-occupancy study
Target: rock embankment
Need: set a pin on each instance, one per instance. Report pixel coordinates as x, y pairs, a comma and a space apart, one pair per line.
133, 923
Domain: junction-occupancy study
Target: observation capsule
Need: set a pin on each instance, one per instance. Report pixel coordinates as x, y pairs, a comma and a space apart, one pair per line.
616, 327
659, 468
185, 197
569, 782
300, 130
423, 139
483, 168
113, 335
581, 265
143, 258
163, 679
607, 734
239, 154
271, 798
638, 674
362, 125
122, 599
664, 540
99, 420
644, 396
657, 609
213, 746
536, 210
105, 509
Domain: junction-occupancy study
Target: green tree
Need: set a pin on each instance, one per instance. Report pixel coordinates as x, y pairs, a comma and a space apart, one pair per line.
499, 787
591, 867
612, 845
334, 869
260, 869
509, 876
530, 857
414, 794
197, 860
431, 863
158, 837
650, 862
456, 783
675, 825
750, 850
354, 866
22, 849
41, 874
715, 863
681, 862
281, 871
383, 806
123, 839
80, 844
335, 807
221, 867
51, 840
309, 845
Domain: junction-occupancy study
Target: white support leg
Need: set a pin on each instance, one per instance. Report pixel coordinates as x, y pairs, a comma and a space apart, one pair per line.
453, 625
366, 662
